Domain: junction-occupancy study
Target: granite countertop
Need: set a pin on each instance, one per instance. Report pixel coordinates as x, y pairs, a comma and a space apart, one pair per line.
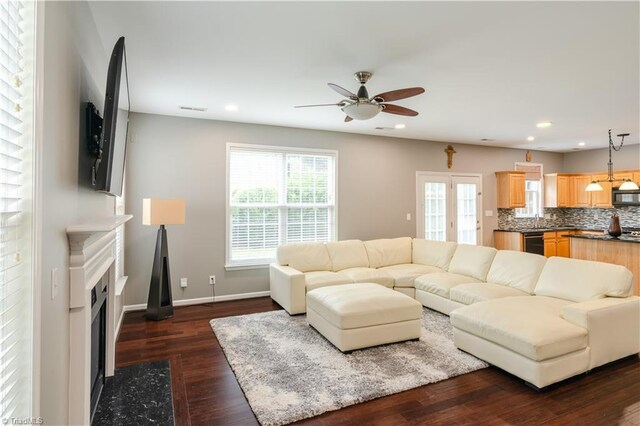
624, 238
546, 229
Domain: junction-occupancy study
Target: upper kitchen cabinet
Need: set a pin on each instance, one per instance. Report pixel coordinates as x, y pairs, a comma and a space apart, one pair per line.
581, 198
558, 190
511, 189
636, 178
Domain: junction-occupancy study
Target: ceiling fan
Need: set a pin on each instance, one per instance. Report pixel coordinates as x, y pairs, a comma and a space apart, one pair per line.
362, 107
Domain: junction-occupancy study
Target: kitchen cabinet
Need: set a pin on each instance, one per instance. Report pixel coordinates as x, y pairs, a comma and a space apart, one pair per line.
581, 198
558, 191
563, 246
508, 240
557, 243
511, 189
636, 178
601, 198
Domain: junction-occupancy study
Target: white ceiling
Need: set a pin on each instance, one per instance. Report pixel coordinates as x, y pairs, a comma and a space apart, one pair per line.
491, 69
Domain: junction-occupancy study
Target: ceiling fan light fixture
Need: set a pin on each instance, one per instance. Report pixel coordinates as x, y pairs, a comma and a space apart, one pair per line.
628, 185
593, 187
361, 110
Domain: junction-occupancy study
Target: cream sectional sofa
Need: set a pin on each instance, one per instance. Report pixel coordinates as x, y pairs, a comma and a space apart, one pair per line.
543, 320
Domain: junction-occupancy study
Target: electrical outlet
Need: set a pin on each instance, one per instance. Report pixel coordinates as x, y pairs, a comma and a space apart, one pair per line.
212, 279
408, 217
183, 282
54, 283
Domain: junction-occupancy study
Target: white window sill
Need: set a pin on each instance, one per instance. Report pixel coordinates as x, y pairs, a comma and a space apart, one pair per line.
122, 281
243, 267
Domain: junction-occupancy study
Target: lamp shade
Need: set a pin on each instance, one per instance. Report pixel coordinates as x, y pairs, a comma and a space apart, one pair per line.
594, 186
629, 185
362, 111
163, 211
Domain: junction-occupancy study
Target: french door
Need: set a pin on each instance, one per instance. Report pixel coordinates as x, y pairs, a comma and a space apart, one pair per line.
449, 207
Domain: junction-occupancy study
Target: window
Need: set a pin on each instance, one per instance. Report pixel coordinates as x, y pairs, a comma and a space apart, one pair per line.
277, 195
16, 207
533, 190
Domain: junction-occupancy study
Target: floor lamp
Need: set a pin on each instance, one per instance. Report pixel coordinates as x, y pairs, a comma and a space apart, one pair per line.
161, 212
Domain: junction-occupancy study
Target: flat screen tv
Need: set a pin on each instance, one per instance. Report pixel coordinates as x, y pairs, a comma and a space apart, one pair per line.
107, 172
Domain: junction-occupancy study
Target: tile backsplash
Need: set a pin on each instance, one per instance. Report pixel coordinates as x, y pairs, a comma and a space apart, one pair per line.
583, 218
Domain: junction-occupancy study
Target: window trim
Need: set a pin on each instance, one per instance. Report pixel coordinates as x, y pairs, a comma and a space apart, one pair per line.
541, 209
262, 263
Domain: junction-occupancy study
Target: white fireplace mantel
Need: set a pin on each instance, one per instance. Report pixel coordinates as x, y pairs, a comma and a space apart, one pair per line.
92, 253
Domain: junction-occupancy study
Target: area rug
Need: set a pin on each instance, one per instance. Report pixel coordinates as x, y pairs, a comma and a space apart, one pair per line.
289, 372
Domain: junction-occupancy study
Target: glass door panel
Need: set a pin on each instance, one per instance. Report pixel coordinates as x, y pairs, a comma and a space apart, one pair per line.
435, 211
467, 213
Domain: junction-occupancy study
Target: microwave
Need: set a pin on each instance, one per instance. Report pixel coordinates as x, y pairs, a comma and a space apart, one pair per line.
625, 198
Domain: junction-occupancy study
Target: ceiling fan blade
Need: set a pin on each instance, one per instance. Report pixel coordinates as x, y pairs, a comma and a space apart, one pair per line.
344, 92
395, 95
318, 105
347, 119
395, 109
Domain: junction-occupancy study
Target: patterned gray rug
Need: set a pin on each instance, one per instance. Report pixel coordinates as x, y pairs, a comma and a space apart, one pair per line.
289, 372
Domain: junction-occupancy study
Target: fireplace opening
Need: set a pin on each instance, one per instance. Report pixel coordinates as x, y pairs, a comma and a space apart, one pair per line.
98, 341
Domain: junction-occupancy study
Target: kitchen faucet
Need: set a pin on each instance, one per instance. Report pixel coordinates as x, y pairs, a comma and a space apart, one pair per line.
536, 221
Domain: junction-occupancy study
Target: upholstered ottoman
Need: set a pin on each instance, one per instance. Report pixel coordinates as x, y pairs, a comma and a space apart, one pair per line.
356, 316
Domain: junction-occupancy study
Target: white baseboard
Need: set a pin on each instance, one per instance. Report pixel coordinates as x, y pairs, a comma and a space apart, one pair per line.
201, 300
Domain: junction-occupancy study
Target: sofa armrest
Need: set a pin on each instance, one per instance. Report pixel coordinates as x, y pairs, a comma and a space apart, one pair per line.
288, 288
613, 324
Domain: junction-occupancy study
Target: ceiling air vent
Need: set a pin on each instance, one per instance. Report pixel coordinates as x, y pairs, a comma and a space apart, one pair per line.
384, 128
188, 108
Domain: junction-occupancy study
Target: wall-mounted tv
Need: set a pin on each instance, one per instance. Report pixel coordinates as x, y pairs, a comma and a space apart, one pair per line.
107, 171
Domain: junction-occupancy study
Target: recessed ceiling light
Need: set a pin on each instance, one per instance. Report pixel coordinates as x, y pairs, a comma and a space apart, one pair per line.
581, 144
531, 138
544, 124
399, 126
231, 107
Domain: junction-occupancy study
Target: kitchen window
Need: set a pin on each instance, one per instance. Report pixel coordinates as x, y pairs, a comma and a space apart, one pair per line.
533, 190
277, 195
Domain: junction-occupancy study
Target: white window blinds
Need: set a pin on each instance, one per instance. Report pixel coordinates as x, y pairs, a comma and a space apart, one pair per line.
277, 196
16, 284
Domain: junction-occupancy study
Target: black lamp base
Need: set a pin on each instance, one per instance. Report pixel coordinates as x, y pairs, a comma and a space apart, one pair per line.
160, 303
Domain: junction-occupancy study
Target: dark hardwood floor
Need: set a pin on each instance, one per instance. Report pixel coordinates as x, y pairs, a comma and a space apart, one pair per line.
206, 392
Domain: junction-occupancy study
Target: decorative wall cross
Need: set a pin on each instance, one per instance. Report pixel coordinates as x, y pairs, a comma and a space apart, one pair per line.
450, 151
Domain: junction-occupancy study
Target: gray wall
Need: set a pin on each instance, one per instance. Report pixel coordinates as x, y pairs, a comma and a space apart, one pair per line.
186, 158
75, 65
595, 160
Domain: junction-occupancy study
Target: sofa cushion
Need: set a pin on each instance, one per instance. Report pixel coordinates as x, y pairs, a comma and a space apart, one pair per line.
516, 269
386, 252
441, 283
368, 275
404, 275
433, 253
479, 292
305, 257
582, 280
531, 325
325, 278
362, 305
473, 261
348, 254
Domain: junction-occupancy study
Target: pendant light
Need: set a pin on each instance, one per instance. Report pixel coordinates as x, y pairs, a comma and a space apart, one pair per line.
627, 184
